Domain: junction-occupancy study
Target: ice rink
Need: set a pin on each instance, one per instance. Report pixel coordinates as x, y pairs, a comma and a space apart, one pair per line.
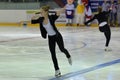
24, 54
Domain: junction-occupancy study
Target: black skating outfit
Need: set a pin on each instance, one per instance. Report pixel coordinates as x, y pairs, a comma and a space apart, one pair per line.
102, 17
52, 40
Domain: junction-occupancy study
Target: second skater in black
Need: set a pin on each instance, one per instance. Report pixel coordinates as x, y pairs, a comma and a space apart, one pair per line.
102, 18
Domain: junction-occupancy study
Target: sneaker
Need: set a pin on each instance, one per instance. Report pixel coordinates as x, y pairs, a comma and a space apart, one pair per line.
70, 60
57, 73
108, 49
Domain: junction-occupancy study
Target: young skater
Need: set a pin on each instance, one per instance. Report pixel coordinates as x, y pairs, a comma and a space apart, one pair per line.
47, 26
103, 25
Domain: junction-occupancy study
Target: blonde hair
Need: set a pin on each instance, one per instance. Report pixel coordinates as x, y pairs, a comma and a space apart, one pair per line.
45, 8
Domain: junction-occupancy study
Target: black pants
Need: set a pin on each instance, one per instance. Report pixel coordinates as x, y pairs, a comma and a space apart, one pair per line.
52, 45
107, 33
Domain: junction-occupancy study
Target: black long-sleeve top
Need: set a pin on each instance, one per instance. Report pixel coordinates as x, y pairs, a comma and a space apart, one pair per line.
101, 17
52, 19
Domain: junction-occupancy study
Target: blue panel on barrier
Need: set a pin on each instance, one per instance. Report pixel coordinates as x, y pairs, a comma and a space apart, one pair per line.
95, 3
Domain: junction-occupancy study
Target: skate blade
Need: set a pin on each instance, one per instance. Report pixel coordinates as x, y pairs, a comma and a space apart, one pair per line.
57, 76
108, 50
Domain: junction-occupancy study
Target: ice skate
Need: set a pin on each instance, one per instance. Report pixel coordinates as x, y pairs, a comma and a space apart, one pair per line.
57, 73
70, 60
108, 49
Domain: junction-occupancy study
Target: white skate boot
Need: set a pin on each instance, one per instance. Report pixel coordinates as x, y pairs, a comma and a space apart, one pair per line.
57, 73
108, 49
70, 60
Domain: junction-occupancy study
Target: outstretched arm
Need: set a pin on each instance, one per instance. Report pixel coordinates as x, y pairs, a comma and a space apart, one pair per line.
36, 16
57, 13
86, 23
35, 19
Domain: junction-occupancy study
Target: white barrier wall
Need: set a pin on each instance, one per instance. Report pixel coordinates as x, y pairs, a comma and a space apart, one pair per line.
13, 16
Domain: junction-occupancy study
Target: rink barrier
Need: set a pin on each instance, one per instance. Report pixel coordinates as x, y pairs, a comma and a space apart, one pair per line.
24, 24
25, 16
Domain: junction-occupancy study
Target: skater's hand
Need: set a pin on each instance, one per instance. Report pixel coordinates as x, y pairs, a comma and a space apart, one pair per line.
36, 16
